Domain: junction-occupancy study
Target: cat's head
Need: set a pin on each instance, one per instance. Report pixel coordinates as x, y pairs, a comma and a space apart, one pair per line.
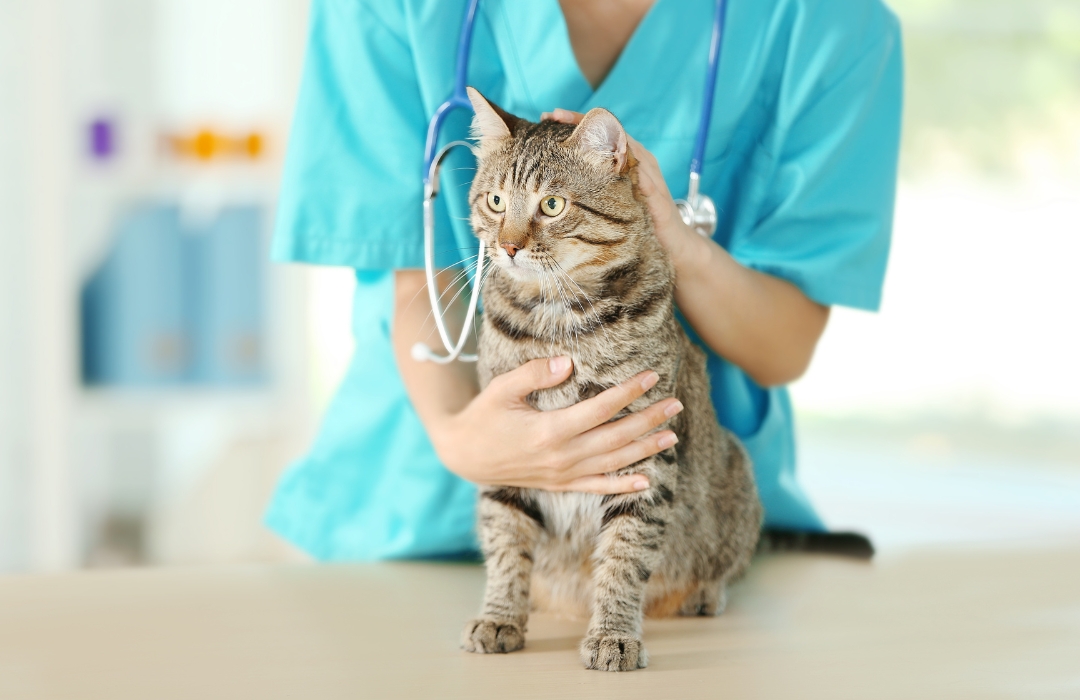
553, 197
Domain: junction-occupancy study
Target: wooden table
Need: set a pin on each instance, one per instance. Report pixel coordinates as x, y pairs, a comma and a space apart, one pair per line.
990, 624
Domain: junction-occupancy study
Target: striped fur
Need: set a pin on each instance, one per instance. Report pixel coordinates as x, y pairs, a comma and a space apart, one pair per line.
593, 283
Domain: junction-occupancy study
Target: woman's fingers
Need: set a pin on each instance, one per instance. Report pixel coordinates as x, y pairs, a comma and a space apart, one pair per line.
626, 455
562, 115
661, 206
605, 485
588, 414
605, 439
650, 167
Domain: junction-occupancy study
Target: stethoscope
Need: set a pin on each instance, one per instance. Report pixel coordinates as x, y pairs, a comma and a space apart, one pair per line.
697, 210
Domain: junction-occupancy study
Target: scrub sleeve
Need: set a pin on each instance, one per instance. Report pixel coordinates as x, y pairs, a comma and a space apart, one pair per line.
801, 162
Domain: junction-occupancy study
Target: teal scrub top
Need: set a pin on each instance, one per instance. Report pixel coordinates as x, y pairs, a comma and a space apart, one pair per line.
801, 162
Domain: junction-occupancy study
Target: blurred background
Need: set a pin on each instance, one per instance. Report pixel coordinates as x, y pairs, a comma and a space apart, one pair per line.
157, 373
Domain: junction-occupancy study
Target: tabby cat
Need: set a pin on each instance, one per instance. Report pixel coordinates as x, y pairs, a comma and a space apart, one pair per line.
577, 271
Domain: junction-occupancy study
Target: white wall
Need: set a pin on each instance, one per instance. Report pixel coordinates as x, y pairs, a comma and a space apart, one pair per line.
981, 316
36, 318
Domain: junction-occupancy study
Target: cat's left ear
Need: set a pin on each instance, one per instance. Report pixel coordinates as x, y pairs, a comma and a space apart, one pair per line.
491, 124
601, 137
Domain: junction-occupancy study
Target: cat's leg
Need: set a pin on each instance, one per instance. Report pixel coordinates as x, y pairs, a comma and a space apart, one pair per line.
709, 599
509, 526
627, 552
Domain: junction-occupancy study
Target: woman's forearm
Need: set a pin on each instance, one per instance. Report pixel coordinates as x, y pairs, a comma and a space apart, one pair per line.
437, 391
760, 323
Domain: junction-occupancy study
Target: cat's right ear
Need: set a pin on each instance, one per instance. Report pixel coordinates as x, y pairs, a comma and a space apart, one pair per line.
490, 125
602, 138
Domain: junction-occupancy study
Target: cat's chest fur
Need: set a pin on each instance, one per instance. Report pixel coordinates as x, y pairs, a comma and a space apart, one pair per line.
601, 359
562, 580
571, 517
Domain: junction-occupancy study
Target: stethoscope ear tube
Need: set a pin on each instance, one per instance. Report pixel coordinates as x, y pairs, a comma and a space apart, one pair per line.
421, 351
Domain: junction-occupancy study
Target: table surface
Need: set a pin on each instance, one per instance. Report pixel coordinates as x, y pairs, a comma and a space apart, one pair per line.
933, 624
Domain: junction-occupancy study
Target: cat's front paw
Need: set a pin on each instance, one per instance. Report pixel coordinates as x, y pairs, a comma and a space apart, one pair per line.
488, 635
612, 652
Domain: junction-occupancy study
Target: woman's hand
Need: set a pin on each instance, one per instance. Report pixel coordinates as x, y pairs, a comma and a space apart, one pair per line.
499, 439
495, 437
681, 241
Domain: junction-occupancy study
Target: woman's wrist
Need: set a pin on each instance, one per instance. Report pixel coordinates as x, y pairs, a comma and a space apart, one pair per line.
691, 253
441, 431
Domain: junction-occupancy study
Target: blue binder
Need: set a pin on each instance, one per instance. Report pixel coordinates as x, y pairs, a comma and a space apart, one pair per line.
170, 306
135, 326
225, 279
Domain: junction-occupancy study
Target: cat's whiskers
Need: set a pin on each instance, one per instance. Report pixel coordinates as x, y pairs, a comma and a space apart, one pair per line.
468, 264
542, 307
423, 289
583, 293
549, 319
575, 327
545, 312
556, 328
454, 283
458, 281
488, 272
569, 326
555, 319
558, 317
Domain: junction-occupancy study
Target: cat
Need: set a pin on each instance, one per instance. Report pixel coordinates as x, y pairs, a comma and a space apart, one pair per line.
576, 270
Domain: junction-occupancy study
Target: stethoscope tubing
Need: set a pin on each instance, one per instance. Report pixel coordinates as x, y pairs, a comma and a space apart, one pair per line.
459, 99
710, 87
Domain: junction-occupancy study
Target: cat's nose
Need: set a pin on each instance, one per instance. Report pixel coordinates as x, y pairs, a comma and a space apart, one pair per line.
511, 248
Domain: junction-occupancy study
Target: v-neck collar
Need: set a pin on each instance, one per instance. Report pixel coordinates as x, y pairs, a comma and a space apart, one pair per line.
534, 43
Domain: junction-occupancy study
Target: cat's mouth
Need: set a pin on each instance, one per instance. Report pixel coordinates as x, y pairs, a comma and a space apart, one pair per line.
521, 266
520, 269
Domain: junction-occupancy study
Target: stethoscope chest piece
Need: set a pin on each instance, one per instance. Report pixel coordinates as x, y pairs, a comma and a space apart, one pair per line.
699, 215
698, 211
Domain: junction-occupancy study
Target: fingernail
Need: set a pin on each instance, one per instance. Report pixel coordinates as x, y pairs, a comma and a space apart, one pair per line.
641, 485
673, 408
558, 365
667, 441
649, 380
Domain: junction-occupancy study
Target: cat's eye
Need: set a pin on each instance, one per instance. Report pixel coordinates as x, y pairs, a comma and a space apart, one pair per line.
552, 205
496, 202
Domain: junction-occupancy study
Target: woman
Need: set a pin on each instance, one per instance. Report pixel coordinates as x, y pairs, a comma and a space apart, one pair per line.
801, 164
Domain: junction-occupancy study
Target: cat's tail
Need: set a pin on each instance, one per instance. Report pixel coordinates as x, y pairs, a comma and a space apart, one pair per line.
845, 544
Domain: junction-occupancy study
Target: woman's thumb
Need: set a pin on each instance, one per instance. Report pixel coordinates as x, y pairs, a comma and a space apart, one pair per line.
536, 374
